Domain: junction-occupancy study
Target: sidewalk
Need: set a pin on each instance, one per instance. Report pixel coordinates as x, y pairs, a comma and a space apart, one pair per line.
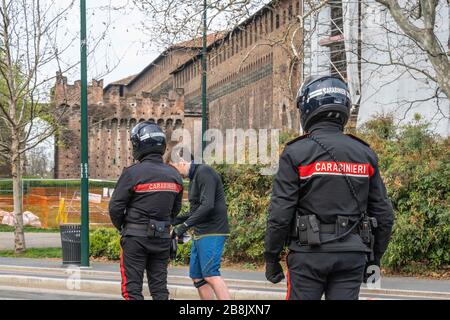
32, 240
234, 277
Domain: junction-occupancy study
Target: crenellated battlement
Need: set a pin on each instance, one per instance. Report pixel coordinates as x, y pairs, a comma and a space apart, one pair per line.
105, 107
111, 118
69, 94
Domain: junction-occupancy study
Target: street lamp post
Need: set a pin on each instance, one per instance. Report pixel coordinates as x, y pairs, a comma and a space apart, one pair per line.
84, 143
204, 98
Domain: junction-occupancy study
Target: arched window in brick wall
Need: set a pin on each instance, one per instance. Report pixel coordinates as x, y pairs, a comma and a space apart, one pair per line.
266, 25
284, 121
232, 45
242, 39
151, 120
114, 123
271, 20
178, 123
161, 122
245, 38
132, 123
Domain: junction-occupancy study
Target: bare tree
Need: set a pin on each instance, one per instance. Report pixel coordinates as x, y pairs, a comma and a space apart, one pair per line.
34, 35
29, 41
417, 20
38, 163
175, 21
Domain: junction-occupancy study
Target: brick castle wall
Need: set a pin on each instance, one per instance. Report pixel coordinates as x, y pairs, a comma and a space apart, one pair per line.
110, 121
252, 82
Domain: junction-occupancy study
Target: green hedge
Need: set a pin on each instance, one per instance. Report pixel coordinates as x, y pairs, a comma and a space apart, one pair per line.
105, 243
415, 165
6, 184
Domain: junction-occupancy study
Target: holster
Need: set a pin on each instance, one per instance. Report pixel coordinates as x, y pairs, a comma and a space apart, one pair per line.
308, 229
158, 229
173, 249
366, 233
342, 225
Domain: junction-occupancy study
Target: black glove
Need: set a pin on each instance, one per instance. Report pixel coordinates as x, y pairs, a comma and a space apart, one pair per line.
274, 272
180, 230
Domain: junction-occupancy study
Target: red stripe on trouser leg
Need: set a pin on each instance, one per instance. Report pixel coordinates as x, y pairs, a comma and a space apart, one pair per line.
124, 277
288, 278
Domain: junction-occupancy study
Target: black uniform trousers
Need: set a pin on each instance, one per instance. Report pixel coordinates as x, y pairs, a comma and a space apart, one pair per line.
338, 275
139, 254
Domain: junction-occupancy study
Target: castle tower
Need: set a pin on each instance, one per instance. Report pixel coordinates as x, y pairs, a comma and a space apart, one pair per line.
110, 118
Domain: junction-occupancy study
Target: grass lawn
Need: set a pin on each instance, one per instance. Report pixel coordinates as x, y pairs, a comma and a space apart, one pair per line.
4, 228
37, 253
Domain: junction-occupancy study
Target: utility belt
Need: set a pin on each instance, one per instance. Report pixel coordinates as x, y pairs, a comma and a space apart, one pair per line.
154, 229
308, 230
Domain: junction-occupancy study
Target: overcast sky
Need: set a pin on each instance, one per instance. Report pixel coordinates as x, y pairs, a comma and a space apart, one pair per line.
123, 51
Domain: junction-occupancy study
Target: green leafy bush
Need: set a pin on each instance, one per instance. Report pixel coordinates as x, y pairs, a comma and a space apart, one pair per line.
416, 168
113, 248
105, 242
248, 196
183, 253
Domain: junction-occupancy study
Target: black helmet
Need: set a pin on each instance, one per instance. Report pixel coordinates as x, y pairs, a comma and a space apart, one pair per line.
147, 137
323, 97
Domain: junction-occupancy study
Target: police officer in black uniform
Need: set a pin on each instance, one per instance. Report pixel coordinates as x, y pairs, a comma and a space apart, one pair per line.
145, 201
329, 203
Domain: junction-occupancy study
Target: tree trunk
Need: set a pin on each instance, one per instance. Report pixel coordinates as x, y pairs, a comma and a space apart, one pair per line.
441, 65
426, 37
16, 169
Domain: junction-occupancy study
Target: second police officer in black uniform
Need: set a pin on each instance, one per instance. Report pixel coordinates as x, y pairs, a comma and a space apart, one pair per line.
145, 201
329, 203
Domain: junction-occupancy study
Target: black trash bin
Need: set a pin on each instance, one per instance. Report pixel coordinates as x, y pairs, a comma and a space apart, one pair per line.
71, 243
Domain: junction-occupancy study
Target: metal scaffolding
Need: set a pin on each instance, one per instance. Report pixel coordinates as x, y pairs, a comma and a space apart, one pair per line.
325, 47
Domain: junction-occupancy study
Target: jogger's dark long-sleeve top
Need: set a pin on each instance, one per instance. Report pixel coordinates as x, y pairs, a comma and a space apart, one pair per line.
208, 210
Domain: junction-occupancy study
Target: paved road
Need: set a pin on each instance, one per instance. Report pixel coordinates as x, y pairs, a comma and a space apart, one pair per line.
109, 272
399, 283
33, 240
14, 293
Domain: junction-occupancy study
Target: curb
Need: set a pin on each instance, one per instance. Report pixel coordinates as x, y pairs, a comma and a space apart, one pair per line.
180, 287
113, 287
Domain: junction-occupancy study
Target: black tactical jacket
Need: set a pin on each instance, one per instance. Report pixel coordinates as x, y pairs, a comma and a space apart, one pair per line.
146, 190
208, 210
309, 181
